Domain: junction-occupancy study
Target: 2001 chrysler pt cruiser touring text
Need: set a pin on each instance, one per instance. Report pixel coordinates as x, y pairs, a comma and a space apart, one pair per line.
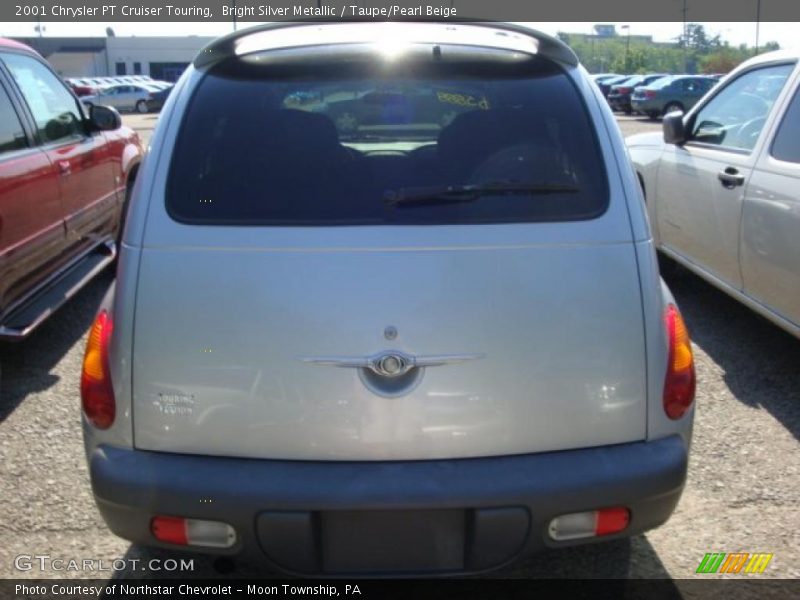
389, 307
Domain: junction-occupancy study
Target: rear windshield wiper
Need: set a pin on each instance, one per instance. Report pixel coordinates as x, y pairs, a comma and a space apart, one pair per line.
468, 193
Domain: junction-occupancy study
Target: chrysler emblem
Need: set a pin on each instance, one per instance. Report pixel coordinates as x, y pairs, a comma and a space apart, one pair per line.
392, 363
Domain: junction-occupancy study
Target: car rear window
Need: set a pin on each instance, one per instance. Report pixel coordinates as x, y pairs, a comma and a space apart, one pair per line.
438, 137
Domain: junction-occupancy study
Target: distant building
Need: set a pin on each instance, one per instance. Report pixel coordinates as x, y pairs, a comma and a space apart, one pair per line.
605, 30
85, 56
162, 58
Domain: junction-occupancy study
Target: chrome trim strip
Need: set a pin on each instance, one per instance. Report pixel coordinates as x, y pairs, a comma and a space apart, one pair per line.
391, 363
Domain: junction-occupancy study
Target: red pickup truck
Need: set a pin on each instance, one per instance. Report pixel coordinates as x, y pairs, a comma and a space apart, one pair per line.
65, 176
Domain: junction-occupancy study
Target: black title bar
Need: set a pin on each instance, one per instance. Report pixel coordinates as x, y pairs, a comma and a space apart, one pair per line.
389, 10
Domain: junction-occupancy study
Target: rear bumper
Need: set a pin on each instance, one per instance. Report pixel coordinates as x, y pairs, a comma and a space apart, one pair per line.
619, 102
308, 517
646, 106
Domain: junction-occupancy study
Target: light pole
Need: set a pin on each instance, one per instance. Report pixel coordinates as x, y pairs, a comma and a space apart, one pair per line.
627, 47
758, 21
685, 41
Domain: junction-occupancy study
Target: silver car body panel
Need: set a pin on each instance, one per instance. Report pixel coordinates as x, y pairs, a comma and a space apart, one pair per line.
567, 319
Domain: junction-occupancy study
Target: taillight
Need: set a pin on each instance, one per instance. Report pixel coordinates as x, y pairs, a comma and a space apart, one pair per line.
679, 383
649, 94
592, 523
193, 532
97, 394
624, 90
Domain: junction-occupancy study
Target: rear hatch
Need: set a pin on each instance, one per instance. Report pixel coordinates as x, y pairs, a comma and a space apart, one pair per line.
328, 276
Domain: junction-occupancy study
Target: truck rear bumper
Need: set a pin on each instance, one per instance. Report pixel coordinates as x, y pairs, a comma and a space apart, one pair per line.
443, 516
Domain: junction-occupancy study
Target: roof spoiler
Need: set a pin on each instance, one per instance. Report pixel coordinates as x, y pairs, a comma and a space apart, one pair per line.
225, 47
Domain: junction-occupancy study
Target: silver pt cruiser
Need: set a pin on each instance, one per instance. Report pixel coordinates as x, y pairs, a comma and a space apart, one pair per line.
387, 302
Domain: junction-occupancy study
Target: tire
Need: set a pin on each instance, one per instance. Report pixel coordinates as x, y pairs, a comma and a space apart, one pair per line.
673, 106
627, 111
141, 107
652, 115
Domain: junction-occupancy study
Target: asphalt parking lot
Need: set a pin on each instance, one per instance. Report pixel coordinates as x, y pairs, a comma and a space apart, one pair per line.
742, 493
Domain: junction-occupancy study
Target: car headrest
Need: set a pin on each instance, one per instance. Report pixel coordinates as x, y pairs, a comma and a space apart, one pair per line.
474, 135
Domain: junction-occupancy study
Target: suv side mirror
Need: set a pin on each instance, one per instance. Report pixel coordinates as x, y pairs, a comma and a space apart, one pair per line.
104, 118
674, 128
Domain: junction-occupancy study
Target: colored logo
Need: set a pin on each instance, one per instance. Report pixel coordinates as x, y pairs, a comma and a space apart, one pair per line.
737, 562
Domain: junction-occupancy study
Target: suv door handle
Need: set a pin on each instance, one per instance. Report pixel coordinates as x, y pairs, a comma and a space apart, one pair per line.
730, 178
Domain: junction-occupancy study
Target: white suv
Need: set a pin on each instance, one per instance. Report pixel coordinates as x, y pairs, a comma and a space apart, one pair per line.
387, 301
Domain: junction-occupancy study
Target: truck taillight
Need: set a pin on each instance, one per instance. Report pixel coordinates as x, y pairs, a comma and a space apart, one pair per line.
679, 383
97, 393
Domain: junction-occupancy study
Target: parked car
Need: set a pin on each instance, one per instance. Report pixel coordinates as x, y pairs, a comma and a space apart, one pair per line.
433, 345
619, 96
597, 77
605, 84
98, 82
159, 85
123, 97
63, 183
80, 87
156, 101
723, 186
668, 94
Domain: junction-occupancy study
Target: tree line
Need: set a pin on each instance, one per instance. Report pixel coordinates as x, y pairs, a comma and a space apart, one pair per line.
692, 52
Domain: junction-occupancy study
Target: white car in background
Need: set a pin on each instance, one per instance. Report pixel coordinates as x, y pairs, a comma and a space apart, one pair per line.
127, 96
722, 186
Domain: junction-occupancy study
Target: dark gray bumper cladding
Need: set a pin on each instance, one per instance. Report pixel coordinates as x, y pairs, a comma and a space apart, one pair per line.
422, 516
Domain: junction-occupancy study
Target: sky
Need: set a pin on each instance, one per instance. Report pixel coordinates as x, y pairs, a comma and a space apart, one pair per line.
735, 33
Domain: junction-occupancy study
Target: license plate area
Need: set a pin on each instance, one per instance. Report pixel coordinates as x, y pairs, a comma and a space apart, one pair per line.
396, 541
393, 540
